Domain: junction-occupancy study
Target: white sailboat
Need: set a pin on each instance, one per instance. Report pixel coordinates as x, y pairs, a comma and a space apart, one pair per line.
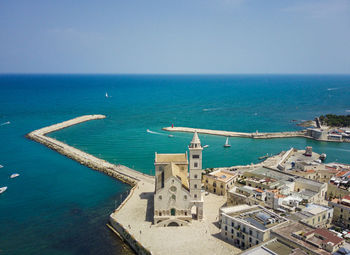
107, 95
3, 189
227, 145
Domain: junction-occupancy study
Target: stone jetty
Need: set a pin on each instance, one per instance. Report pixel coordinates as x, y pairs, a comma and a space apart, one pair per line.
255, 135
120, 172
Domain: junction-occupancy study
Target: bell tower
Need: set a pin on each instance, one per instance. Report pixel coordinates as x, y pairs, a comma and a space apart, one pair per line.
196, 149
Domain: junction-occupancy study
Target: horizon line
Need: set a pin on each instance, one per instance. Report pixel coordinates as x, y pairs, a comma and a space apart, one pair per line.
183, 74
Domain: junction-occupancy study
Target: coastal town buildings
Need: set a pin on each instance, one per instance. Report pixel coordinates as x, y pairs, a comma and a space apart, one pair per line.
245, 195
246, 226
317, 241
341, 207
329, 134
219, 181
315, 215
176, 191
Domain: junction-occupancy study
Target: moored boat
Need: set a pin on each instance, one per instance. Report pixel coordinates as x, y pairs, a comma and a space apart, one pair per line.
3, 189
227, 144
323, 156
14, 175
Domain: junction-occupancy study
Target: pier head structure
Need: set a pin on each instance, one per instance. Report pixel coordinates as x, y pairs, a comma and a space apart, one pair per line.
176, 190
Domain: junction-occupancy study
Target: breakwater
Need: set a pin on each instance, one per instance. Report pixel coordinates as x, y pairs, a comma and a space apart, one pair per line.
143, 182
255, 135
120, 172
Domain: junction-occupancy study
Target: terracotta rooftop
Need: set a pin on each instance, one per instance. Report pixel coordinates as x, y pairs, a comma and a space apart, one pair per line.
327, 235
167, 158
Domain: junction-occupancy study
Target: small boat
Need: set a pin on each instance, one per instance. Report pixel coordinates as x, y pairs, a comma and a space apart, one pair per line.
323, 156
107, 95
227, 145
264, 157
14, 175
3, 189
206, 146
170, 135
1, 166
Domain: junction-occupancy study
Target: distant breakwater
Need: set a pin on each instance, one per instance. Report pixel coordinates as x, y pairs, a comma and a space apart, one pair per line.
255, 135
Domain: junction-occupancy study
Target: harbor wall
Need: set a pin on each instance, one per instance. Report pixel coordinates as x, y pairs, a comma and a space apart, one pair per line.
120, 172
122, 231
255, 135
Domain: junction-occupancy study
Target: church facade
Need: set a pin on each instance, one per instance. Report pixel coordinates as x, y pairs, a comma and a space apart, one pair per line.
178, 186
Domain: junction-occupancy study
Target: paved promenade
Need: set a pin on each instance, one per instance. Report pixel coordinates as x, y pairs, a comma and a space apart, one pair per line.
254, 135
200, 237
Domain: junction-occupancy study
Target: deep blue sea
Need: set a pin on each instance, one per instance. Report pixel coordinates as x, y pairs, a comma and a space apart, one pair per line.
57, 206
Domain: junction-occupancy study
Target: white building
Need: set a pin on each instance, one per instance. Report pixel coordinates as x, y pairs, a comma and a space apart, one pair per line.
246, 226
176, 191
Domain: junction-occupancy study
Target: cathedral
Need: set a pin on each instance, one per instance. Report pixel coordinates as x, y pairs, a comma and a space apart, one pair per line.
178, 186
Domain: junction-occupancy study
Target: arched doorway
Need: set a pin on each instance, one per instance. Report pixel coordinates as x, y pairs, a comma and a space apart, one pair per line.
194, 212
173, 224
172, 211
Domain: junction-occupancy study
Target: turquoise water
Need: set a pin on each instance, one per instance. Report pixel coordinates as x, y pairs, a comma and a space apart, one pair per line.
57, 206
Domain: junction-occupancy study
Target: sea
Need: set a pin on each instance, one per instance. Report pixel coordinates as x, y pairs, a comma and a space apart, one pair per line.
57, 206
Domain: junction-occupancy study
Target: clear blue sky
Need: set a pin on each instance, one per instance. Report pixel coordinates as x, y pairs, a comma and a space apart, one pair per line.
175, 36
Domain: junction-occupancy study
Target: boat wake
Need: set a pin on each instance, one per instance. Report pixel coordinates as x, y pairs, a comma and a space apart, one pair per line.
5, 123
329, 89
155, 133
211, 109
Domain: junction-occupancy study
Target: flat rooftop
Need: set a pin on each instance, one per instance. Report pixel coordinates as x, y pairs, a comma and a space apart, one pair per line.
222, 175
286, 232
271, 247
256, 216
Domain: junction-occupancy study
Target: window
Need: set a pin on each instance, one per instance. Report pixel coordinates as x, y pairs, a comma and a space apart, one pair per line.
214, 184
231, 231
195, 196
173, 188
225, 228
173, 197
185, 213
250, 239
172, 212
195, 186
195, 156
185, 197
195, 164
257, 242
160, 214
250, 232
206, 181
195, 176
160, 197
